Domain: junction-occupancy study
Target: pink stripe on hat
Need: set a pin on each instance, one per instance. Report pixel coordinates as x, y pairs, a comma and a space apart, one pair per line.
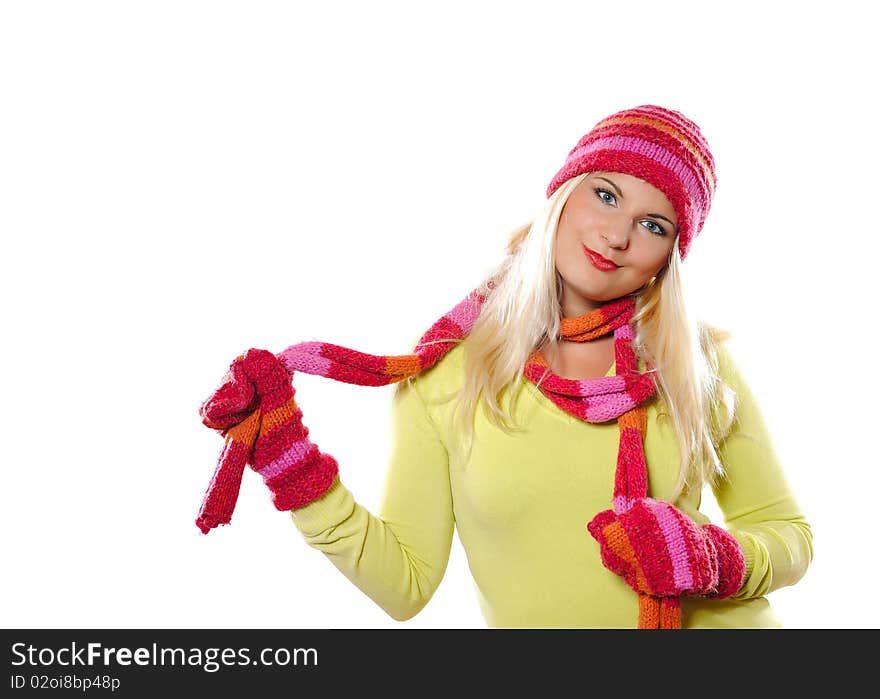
654, 151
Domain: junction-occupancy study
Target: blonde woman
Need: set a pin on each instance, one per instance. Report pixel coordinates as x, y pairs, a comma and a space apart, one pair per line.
564, 417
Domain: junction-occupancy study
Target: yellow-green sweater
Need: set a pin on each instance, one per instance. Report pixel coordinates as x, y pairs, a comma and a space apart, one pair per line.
521, 503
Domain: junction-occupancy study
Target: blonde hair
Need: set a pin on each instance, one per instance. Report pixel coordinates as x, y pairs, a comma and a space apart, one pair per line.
522, 310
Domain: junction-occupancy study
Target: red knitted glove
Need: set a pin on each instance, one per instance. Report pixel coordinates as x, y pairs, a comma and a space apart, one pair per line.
660, 551
255, 410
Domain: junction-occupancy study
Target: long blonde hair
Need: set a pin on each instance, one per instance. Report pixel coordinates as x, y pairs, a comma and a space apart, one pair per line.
522, 311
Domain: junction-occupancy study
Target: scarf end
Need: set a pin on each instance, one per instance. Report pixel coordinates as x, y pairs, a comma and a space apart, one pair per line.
659, 612
206, 522
222, 493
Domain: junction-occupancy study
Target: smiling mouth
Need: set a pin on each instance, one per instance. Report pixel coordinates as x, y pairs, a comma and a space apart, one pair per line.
598, 261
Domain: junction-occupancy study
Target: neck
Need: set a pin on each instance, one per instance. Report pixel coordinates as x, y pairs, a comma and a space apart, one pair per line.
577, 307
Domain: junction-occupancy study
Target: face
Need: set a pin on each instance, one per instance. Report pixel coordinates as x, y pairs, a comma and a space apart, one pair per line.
622, 219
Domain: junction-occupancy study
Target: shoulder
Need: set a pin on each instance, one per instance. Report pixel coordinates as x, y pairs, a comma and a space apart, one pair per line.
439, 382
734, 399
717, 348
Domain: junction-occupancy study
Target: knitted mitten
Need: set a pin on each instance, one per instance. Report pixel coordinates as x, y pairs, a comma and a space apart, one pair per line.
254, 409
658, 550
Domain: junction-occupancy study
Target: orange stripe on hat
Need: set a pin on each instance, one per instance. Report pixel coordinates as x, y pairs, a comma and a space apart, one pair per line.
677, 134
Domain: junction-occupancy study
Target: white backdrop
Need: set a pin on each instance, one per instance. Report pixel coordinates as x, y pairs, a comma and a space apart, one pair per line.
182, 180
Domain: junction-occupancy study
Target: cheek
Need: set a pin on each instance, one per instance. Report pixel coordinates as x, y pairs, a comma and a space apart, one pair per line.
588, 218
569, 253
566, 240
653, 256
575, 230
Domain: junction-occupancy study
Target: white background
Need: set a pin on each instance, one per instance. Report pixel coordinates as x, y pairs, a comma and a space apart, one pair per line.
180, 181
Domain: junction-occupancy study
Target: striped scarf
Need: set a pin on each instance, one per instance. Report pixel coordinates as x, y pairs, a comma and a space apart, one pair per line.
597, 400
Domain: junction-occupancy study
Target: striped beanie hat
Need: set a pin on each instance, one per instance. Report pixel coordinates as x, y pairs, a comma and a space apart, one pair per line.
660, 146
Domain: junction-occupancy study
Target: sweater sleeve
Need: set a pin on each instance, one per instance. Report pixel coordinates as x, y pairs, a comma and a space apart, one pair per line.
399, 557
759, 507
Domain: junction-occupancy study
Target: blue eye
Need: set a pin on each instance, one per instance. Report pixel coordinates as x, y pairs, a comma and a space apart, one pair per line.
654, 228
611, 200
606, 196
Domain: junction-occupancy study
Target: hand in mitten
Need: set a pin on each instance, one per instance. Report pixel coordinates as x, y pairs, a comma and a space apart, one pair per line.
255, 410
658, 550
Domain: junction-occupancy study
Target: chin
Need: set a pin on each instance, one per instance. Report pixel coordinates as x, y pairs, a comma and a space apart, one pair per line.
596, 296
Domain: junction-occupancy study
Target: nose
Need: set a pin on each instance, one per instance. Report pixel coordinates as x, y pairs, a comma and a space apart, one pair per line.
617, 236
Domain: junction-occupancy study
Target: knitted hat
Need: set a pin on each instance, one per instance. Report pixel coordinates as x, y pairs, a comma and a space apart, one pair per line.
660, 146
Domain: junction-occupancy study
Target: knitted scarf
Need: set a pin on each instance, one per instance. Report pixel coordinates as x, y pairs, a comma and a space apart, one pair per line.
597, 400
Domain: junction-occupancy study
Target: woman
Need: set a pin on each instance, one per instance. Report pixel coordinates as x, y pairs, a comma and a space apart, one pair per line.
565, 417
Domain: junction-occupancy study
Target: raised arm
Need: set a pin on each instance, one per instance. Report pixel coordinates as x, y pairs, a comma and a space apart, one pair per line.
759, 507
397, 558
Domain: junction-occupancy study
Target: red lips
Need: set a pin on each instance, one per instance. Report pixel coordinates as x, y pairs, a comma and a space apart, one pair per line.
598, 261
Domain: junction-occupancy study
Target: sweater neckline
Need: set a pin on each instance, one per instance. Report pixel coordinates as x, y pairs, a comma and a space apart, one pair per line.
546, 404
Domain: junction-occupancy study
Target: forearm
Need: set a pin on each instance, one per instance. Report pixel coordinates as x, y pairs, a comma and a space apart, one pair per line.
368, 551
760, 508
777, 554
397, 558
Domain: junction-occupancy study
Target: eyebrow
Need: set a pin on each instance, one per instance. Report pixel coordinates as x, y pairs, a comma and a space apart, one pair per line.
663, 217
620, 194
616, 189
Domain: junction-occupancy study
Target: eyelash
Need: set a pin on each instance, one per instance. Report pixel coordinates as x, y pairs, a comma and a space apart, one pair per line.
660, 230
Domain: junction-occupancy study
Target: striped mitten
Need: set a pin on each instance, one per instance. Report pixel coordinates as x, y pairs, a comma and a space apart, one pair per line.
660, 551
255, 410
